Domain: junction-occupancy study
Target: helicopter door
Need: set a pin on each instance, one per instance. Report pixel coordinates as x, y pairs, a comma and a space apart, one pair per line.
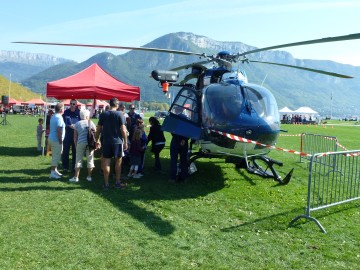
183, 118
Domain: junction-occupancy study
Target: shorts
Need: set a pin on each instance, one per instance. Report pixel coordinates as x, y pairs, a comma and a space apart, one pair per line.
56, 148
81, 149
112, 150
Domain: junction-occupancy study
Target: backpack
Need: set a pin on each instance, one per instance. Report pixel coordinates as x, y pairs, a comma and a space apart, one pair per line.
91, 138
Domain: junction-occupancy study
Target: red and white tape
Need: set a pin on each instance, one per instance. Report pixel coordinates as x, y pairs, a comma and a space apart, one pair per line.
240, 139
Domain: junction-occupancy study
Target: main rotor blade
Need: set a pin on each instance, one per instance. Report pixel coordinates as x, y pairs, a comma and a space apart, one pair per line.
314, 41
197, 64
112, 47
307, 69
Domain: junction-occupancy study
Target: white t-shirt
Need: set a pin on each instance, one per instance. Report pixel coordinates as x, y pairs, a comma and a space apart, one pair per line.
82, 130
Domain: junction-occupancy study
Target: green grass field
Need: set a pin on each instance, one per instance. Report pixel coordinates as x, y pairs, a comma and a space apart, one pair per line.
223, 218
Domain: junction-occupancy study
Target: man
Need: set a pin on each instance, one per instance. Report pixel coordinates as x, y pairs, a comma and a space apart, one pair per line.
133, 119
121, 109
56, 137
114, 141
71, 116
178, 148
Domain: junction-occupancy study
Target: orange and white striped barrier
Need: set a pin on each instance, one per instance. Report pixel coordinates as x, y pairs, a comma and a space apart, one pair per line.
240, 139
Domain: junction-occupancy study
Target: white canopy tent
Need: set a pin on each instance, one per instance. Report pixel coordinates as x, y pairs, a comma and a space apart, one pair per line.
285, 110
305, 110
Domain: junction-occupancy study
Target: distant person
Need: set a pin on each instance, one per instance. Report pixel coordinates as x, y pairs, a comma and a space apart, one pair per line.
114, 141
156, 136
56, 137
81, 142
71, 116
39, 132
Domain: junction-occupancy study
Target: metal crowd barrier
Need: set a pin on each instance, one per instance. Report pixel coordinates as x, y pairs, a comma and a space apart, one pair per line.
334, 178
316, 143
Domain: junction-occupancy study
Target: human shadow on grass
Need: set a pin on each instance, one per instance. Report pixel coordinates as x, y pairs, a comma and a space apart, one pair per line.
19, 151
154, 186
31, 175
31, 188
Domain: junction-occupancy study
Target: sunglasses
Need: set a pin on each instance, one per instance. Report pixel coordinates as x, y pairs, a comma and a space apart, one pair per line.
132, 108
73, 103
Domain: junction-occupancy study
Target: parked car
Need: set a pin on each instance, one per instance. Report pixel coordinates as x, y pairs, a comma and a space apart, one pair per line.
139, 112
161, 114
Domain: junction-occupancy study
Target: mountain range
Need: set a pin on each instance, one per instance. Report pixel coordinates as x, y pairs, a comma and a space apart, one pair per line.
291, 87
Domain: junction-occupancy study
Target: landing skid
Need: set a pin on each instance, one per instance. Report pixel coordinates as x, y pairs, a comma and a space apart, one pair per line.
253, 165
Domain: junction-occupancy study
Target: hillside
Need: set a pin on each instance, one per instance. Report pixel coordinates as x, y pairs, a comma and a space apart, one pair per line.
22, 65
17, 91
291, 87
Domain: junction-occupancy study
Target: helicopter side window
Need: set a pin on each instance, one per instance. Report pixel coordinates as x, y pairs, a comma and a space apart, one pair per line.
186, 105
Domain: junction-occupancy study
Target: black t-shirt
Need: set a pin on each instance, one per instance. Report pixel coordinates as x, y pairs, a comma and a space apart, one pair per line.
111, 122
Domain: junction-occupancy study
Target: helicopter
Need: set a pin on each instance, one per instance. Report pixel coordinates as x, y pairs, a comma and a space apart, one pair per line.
224, 112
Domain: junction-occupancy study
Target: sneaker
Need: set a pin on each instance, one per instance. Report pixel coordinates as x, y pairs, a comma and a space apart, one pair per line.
120, 185
140, 174
129, 175
105, 187
89, 178
137, 175
74, 180
54, 175
57, 172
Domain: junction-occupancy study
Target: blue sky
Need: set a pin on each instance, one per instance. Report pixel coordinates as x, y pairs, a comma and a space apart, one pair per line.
259, 23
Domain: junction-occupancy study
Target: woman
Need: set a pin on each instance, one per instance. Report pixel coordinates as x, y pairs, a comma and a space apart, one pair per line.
81, 143
156, 135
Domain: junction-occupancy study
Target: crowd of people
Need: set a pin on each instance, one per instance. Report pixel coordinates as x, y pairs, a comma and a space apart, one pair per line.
297, 119
120, 136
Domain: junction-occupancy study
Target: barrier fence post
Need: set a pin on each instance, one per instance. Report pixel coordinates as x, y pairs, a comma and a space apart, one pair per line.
316, 143
334, 178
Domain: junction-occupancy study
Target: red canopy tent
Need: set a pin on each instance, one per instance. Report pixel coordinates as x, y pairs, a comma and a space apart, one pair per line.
13, 101
35, 101
66, 102
98, 102
92, 83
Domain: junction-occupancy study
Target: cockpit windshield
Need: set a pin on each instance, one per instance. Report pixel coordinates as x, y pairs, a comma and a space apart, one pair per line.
224, 103
263, 102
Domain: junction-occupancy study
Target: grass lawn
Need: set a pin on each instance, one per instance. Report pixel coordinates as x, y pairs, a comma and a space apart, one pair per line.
223, 218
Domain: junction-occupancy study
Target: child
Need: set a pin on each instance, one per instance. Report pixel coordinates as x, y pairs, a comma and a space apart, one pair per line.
39, 132
135, 154
143, 138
